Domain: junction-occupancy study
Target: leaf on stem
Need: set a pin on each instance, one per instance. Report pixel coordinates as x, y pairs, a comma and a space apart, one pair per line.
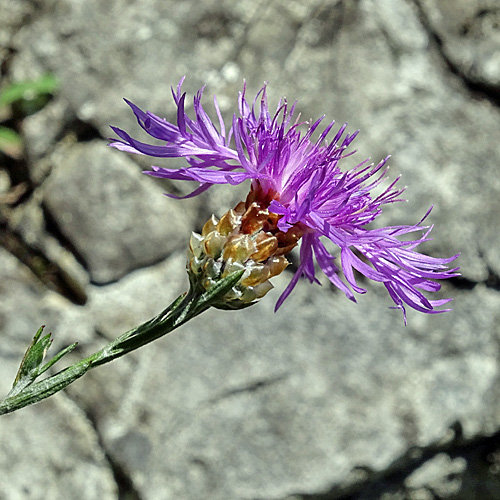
31, 365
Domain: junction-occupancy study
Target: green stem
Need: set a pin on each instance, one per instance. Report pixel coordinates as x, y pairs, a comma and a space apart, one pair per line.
184, 308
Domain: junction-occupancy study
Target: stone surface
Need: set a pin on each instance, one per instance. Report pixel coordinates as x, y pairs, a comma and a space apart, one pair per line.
13, 14
41, 131
42, 456
326, 397
440, 475
470, 37
116, 218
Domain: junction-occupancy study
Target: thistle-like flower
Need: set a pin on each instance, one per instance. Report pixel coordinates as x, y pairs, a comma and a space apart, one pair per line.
298, 192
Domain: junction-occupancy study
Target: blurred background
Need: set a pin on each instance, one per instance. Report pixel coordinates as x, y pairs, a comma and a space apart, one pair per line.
325, 399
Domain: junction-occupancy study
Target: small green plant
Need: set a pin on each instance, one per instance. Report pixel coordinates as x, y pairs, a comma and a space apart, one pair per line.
22, 99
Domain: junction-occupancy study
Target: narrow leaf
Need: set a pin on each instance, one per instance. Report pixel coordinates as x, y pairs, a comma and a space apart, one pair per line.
56, 358
28, 90
30, 356
29, 368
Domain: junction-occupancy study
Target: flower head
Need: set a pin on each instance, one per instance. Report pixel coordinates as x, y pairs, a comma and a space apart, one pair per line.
298, 183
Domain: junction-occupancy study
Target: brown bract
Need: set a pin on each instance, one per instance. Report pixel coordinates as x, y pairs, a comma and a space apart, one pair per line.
246, 237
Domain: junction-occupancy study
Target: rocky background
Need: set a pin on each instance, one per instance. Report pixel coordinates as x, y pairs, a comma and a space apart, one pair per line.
325, 399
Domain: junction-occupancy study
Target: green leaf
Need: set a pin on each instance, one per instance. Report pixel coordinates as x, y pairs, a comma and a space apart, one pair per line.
32, 359
56, 358
31, 365
28, 90
10, 142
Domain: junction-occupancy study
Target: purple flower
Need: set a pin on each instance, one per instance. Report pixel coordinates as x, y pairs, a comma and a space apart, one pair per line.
300, 180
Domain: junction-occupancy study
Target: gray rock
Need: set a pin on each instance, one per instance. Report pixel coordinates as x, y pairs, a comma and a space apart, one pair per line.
13, 14
116, 218
440, 475
28, 221
41, 132
55, 458
24, 307
468, 32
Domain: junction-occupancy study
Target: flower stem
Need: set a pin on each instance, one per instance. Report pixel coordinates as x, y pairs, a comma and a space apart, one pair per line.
184, 308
